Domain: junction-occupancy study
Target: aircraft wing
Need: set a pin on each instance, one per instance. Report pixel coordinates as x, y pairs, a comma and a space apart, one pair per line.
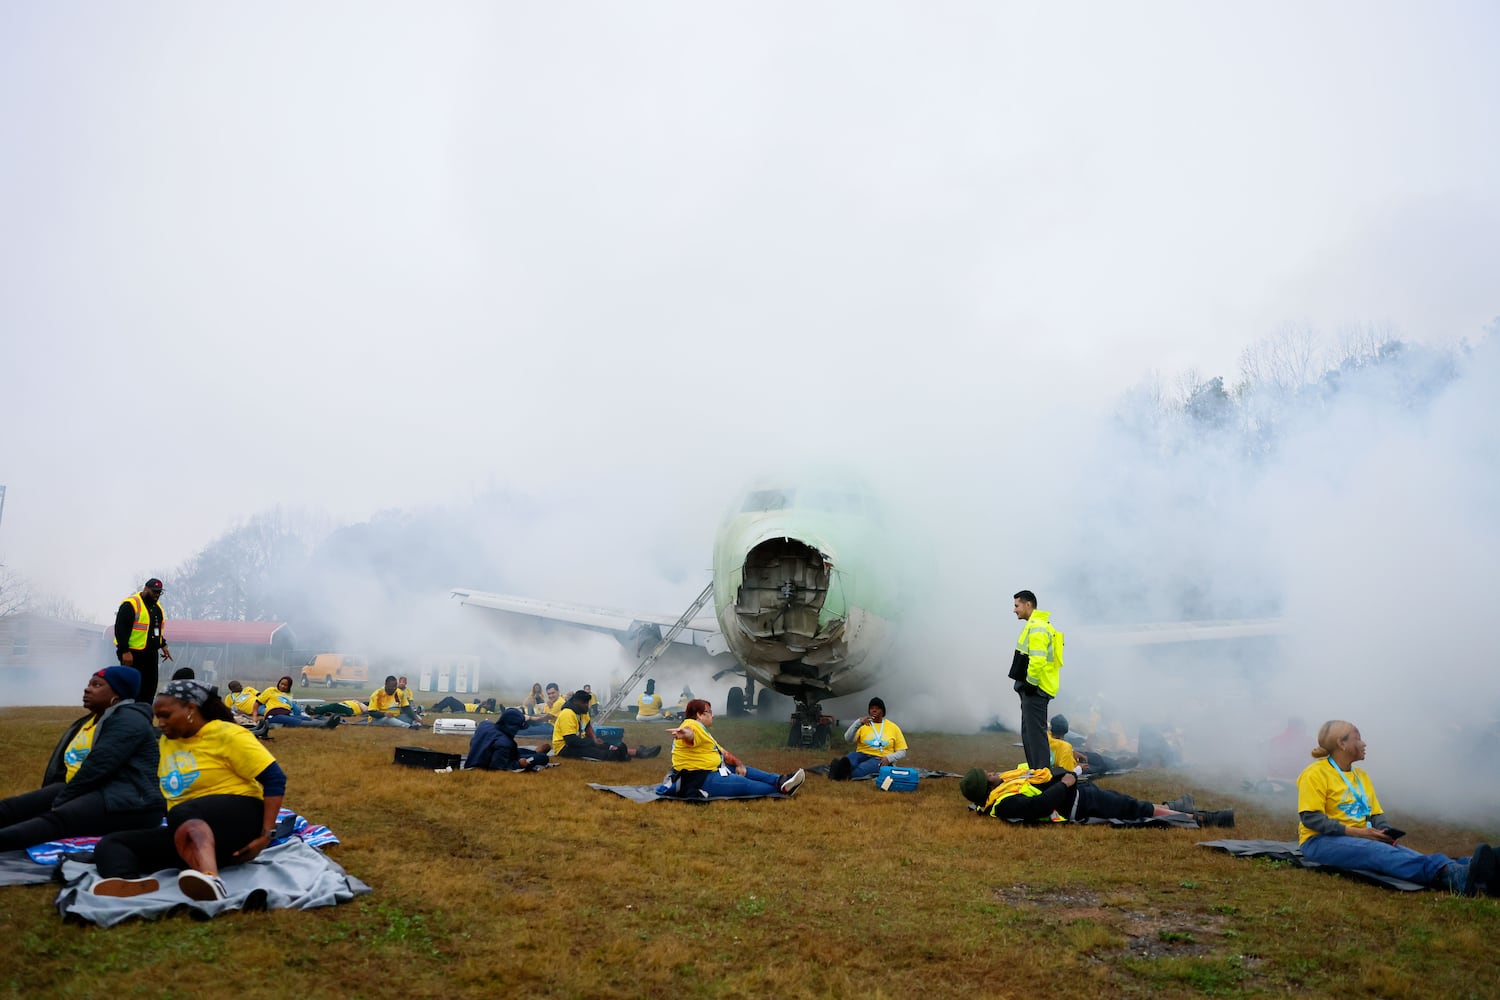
1170, 632
628, 627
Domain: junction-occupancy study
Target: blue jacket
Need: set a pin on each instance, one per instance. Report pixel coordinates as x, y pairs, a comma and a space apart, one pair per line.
493, 746
121, 764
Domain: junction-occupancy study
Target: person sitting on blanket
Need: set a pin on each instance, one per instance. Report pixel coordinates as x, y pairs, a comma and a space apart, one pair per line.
573, 735
385, 707
880, 741
1342, 824
1022, 794
1068, 757
241, 701
274, 707
223, 790
649, 707
493, 746
702, 768
102, 775
452, 704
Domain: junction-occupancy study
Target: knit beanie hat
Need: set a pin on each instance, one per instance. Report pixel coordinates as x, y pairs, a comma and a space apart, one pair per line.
126, 681
975, 786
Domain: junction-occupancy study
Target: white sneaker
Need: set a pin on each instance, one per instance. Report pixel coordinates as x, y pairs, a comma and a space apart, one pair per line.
124, 887
793, 783
201, 886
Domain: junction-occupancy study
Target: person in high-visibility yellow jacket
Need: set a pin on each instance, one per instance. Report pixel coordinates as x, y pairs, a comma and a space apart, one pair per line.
139, 641
1029, 795
1034, 667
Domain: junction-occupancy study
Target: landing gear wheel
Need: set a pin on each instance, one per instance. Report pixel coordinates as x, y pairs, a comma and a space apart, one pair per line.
735, 703
763, 701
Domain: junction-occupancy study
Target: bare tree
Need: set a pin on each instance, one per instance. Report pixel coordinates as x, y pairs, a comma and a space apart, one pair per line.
15, 592
51, 605
1282, 363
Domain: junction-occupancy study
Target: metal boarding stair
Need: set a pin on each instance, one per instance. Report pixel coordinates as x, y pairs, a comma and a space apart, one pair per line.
623, 691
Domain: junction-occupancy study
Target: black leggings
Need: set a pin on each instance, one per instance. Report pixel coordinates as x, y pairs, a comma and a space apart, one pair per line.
31, 818
1104, 803
592, 751
234, 819
448, 704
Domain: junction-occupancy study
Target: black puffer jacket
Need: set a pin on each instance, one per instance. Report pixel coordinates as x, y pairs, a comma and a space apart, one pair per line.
121, 764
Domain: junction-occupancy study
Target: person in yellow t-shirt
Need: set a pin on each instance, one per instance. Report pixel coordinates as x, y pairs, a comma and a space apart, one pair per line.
349, 708
536, 702
241, 700
223, 791
878, 741
555, 703
1342, 824
385, 707
701, 768
275, 707
649, 706
410, 710
573, 735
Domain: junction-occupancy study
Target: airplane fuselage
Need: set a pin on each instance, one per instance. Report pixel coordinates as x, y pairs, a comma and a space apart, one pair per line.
800, 597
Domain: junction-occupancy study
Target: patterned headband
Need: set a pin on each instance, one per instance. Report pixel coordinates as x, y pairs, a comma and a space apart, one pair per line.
190, 691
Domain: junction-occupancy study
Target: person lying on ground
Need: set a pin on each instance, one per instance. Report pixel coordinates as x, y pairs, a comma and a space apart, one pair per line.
703, 768
573, 735
100, 778
385, 707
241, 701
1022, 794
275, 707
223, 791
493, 746
452, 704
879, 742
1341, 823
349, 708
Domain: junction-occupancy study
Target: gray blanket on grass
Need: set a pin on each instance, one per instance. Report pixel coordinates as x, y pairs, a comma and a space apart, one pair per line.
1287, 850
17, 868
289, 876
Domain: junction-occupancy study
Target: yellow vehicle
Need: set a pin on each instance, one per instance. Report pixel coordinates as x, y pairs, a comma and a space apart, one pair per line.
333, 669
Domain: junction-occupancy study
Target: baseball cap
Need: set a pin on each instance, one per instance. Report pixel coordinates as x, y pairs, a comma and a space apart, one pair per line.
152, 584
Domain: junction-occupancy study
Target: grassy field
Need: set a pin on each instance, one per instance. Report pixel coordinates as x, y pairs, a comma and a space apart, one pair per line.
535, 885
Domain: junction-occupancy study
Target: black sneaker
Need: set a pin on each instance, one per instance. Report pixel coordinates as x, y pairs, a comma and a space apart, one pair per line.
652, 751
1219, 817
1483, 875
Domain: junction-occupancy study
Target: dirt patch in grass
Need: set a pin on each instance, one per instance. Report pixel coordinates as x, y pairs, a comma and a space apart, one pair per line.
1146, 934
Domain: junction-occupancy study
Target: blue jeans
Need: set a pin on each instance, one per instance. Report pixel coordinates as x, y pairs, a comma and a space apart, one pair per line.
290, 719
1387, 859
863, 764
754, 783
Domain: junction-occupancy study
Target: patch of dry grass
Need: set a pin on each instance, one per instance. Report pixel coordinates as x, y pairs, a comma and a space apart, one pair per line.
540, 886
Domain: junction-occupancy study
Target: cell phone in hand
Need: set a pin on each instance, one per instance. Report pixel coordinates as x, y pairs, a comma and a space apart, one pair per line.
1393, 833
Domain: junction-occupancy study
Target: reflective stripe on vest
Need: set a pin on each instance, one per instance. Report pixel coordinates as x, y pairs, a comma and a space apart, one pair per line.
141, 630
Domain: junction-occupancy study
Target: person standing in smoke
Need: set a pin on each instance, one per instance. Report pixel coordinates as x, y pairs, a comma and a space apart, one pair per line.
139, 638
1034, 667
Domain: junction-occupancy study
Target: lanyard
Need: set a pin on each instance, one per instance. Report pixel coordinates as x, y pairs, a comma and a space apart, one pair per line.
877, 739
1361, 808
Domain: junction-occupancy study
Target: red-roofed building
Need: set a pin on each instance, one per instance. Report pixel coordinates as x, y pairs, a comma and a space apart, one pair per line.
214, 649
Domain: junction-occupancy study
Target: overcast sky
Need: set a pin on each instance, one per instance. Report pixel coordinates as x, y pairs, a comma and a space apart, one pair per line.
358, 256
